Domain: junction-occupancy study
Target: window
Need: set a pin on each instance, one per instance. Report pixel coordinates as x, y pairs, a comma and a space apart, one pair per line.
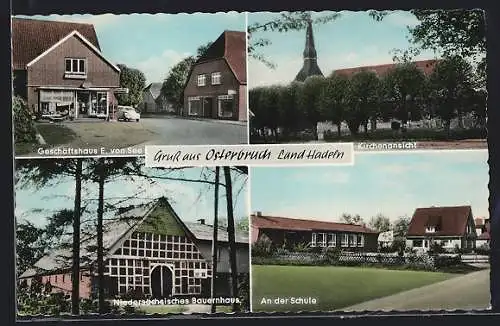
345, 240
225, 106
195, 106
74, 66
216, 78
352, 240
313, 241
201, 80
430, 229
321, 239
361, 240
332, 240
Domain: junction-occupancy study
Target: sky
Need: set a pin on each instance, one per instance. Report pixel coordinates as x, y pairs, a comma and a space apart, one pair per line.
355, 39
191, 201
154, 43
393, 184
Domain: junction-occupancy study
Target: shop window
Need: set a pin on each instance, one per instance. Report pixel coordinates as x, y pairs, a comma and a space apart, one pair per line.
225, 106
195, 106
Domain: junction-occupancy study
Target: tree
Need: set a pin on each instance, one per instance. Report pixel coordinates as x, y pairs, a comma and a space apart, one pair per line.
333, 99
42, 173
290, 114
30, 245
242, 225
451, 82
352, 219
400, 226
269, 102
177, 77
282, 22
135, 81
309, 102
24, 127
363, 100
380, 223
458, 32
404, 83
105, 170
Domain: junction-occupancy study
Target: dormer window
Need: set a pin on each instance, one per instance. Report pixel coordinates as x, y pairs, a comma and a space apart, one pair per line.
430, 229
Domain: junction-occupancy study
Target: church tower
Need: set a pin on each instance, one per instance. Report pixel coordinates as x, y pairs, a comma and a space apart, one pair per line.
310, 67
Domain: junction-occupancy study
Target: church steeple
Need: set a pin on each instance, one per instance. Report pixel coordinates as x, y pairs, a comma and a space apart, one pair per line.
310, 66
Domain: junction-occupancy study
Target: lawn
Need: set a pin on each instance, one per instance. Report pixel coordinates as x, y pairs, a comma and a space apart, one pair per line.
178, 309
332, 287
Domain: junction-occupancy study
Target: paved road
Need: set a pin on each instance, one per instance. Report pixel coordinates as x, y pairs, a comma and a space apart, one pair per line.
178, 131
466, 292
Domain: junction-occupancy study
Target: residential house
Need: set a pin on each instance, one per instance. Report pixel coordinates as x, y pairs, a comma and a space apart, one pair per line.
217, 84
452, 227
290, 232
153, 101
483, 232
149, 251
60, 71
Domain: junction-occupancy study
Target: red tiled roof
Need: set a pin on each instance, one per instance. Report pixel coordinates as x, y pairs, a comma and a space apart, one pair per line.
232, 46
283, 223
32, 37
484, 236
426, 65
452, 221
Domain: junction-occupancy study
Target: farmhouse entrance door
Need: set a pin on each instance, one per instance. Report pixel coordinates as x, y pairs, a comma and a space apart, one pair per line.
161, 282
208, 107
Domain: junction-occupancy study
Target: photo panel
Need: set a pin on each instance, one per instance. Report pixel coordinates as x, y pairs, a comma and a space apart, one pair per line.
385, 80
394, 232
143, 238
111, 84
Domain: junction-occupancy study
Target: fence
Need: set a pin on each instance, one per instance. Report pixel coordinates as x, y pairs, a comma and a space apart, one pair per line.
416, 261
475, 259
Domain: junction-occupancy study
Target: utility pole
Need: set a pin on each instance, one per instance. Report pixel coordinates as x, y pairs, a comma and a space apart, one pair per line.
231, 236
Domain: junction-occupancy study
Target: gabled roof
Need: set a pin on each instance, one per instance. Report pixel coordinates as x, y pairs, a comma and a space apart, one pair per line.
427, 66
292, 224
450, 221
231, 46
154, 89
32, 37
116, 231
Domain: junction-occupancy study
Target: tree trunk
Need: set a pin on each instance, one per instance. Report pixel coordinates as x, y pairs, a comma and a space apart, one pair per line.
374, 124
231, 236
215, 240
75, 274
100, 246
339, 129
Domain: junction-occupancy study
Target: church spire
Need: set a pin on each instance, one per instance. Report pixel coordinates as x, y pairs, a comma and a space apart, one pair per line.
310, 66
310, 49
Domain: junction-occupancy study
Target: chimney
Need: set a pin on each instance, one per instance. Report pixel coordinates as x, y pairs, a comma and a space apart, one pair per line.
202, 221
258, 213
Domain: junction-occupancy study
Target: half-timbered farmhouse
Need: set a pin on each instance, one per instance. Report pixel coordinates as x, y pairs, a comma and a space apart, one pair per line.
149, 251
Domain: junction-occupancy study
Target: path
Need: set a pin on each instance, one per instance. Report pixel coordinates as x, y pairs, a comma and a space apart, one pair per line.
471, 291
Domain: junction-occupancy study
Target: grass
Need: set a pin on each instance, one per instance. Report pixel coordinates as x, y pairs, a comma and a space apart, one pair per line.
332, 287
163, 309
176, 309
56, 134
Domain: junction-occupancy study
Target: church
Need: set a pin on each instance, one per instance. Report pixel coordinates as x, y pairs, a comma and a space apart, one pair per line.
310, 66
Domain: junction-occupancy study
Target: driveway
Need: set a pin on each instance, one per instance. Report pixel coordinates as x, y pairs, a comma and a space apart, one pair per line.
467, 292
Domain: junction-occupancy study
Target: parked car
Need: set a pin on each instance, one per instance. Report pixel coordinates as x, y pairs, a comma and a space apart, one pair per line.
128, 113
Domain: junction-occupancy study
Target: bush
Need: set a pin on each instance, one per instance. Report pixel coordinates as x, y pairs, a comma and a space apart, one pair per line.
483, 250
24, 128
244, 292
263, 247
436, 248
332, 255
441, 261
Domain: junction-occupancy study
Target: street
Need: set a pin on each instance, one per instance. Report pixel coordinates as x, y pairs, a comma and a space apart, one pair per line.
466, 292
178, 131
133, 136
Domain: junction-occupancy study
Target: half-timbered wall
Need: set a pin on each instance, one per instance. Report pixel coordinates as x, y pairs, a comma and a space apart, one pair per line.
133, 263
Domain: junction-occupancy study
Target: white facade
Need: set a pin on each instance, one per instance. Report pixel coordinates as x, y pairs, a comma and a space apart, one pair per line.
424, 244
